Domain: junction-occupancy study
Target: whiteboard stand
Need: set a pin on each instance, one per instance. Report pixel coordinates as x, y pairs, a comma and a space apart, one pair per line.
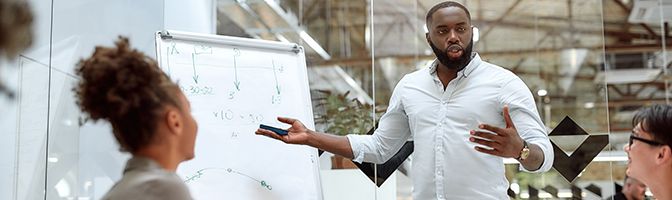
234, 84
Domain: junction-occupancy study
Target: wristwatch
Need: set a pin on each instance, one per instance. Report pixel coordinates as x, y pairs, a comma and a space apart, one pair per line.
524, 153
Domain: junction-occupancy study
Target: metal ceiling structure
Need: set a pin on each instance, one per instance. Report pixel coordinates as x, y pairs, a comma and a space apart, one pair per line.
561, 47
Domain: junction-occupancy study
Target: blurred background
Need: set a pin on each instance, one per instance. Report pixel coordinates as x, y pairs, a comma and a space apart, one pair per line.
590, 64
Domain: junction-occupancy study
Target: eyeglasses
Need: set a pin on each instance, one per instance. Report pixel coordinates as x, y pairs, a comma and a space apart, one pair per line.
647, 141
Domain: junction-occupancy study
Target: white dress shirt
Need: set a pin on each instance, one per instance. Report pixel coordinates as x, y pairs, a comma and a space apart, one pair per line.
445, 164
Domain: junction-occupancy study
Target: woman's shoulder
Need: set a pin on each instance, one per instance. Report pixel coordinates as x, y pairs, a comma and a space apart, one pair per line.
149, 185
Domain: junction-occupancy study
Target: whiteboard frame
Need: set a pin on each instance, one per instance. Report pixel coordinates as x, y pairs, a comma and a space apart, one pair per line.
227, 40
248, 43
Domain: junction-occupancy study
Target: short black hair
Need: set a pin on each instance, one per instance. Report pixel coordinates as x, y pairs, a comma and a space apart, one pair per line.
657, 120
445, 4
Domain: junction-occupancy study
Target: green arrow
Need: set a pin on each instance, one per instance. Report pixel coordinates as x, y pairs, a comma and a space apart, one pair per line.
235, 72
277, 86
193, 65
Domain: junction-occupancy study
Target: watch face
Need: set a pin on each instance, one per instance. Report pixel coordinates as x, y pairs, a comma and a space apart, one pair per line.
525, 153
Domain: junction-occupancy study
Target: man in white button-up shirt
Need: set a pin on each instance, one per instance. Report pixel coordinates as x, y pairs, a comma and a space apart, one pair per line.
464, 115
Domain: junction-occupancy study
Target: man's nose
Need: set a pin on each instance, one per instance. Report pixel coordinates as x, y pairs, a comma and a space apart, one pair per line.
626, 148
453, 37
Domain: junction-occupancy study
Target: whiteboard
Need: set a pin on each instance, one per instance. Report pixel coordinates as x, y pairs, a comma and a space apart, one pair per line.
234, 84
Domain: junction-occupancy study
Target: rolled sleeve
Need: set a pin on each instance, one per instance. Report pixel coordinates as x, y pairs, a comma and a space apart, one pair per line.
391, 134
547, 150
525, 116
356, 145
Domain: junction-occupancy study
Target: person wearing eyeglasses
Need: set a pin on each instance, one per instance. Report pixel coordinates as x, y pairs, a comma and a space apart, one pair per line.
650, 150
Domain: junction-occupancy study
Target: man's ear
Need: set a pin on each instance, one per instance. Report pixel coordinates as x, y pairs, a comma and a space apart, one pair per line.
429, 39
173, 119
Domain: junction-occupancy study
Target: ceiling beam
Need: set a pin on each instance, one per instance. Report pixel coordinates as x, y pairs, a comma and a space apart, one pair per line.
560, 29
628, 10
500, 19
366, 61
308, 13
630, 102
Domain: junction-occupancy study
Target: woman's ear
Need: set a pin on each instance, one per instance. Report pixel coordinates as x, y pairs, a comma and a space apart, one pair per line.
173, 119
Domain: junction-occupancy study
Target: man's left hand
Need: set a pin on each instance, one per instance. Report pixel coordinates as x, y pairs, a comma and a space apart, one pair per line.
504, 143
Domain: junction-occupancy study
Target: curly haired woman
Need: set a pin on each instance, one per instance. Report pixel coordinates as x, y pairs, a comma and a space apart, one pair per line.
150, 118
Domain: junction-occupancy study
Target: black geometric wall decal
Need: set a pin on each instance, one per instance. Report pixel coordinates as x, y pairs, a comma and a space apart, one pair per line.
594, 189
576, 192
570, 166
551, 190
386, 169
533, 193
568, 127
511, 193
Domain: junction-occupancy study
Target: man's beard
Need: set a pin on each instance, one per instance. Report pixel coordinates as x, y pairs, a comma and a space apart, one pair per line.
459, 63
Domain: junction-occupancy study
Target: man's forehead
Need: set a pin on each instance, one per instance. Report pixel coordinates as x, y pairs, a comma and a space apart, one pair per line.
637, 128
639, 131
451, 14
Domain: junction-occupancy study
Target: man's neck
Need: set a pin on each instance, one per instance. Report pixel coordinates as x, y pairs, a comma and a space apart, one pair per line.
662, 188
630, 196
445, 74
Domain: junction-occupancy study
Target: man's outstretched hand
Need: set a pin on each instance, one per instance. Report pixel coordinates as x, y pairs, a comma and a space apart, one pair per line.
297, 134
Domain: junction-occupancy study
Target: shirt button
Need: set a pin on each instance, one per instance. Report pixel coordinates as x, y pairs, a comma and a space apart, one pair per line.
440, 196
439, 172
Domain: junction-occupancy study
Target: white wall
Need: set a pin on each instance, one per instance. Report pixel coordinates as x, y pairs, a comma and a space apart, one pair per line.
192, 16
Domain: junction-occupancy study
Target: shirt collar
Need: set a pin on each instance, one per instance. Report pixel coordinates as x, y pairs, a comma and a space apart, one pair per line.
473, 64
141, 163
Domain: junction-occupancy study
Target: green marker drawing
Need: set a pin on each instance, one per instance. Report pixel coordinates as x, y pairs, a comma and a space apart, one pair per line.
236, 53
201, 172
277, 86
193, 65
173, 50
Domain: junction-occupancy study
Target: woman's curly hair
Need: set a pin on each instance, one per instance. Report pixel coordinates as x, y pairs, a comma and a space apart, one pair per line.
126, 88
16, 32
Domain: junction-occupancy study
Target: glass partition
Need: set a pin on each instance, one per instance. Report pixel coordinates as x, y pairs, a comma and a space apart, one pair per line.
336, 37
637, 64
23, 121
399, 48
589, 65
572, 101
52, 153
556, 48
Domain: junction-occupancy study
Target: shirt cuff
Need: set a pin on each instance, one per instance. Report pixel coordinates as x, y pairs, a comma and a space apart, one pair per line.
546, 149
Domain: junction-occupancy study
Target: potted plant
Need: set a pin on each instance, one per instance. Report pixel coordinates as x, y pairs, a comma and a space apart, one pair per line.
340, 115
